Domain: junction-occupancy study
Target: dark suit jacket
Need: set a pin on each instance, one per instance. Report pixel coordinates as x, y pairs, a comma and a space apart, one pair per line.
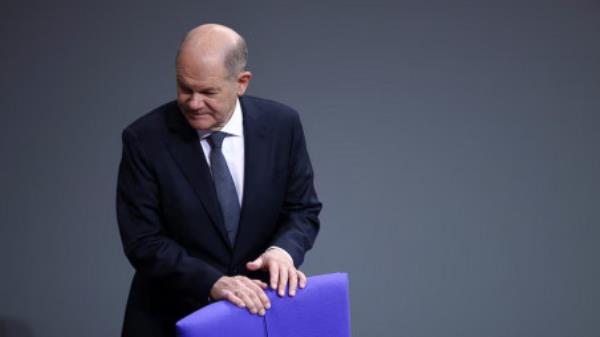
169, 217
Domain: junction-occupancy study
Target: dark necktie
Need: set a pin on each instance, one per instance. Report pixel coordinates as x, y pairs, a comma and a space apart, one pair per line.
226, 192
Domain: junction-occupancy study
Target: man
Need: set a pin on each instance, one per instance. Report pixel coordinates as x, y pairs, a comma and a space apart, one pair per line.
215, 193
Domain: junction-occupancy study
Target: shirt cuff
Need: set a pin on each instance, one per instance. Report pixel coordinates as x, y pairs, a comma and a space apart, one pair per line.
282, 250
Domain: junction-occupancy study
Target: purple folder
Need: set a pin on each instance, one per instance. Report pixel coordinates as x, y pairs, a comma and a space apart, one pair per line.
322, 309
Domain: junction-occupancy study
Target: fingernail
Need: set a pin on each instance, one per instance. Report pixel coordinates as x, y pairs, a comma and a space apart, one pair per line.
268, 306
292, 293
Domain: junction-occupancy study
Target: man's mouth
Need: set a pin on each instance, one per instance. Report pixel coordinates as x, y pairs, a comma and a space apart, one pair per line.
196, 114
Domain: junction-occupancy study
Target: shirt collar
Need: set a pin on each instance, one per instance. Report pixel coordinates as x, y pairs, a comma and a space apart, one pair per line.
233, 127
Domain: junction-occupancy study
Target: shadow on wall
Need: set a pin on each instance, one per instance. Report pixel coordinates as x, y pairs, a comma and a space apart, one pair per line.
10, 327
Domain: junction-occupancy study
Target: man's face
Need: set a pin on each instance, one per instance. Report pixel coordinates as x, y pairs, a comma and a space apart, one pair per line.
205, 96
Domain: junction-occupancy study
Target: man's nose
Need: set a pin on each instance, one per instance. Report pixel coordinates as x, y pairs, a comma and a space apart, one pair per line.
196, 101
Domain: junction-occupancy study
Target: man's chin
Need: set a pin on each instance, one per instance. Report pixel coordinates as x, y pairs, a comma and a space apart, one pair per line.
200, 122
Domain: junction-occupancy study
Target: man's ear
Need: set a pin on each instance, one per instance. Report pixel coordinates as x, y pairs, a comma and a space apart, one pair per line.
243, 82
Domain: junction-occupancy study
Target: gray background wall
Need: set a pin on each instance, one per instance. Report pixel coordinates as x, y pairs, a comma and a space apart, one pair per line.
455, 146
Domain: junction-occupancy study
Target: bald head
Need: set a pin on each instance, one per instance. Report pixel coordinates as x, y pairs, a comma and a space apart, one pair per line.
214, 44
211, 75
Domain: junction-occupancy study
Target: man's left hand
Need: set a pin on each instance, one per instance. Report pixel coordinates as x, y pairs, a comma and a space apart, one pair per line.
281, 271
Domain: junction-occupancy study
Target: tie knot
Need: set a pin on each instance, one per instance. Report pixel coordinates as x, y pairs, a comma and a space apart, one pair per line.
216, 139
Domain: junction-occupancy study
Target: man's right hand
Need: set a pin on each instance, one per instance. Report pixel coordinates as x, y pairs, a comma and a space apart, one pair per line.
243, 292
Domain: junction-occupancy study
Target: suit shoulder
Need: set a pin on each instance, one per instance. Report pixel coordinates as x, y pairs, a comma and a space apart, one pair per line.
271, 108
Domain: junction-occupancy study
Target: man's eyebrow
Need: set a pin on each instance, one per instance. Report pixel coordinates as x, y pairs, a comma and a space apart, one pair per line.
182, 82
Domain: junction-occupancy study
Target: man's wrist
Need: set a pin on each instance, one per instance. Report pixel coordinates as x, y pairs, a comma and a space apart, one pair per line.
281, 250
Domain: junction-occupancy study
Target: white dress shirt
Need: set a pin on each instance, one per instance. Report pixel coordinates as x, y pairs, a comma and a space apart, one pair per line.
232, 148
233, 151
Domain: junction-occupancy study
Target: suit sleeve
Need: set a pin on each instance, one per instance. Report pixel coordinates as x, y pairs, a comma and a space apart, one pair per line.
298, 223
146, 244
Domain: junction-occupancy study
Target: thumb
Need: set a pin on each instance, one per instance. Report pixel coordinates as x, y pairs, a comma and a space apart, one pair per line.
256, 264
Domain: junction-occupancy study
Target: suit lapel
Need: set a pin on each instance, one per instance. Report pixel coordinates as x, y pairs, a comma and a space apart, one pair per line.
184, 146
255, 156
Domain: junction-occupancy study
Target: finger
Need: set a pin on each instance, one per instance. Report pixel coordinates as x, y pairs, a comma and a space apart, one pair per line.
256, 264
248, 300
293, 281
262, 302
231, 297
265, 303
260, 283
264, 299
256, 293
302, 279
261, 294
256, 301
274, 275
283, 280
